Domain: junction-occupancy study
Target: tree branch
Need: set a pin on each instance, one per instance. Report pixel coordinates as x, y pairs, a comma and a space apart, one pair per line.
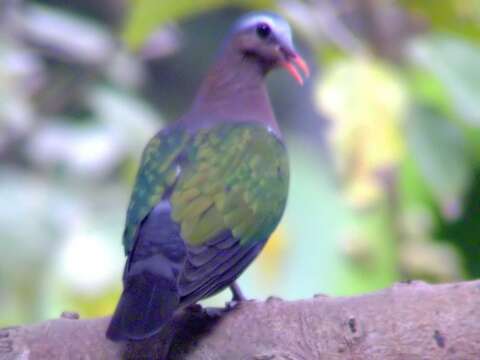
408, 321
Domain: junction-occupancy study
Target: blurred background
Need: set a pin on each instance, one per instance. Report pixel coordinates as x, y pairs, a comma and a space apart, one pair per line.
384, 142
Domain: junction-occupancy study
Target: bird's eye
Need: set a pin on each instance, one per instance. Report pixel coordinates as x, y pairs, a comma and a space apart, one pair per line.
263, 30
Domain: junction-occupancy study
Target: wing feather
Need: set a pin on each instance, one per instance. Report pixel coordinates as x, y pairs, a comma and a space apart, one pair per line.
239, 175
227, 188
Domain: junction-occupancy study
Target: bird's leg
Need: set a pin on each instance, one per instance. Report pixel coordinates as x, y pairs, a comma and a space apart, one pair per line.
237, 294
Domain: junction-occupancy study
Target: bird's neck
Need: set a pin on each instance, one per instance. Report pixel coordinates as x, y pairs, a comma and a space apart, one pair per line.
234, 90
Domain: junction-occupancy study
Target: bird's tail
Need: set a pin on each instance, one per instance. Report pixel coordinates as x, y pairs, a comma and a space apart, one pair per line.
147, 303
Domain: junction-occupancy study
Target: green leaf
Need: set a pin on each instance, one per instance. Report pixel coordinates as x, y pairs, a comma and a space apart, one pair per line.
455, 63
146, 15
464, 232
458, 17
441, 156
426, 88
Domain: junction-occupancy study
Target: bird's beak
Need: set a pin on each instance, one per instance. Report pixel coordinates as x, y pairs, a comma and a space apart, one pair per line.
291, 62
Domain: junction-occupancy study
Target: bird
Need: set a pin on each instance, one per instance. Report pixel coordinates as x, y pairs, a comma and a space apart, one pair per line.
211, 187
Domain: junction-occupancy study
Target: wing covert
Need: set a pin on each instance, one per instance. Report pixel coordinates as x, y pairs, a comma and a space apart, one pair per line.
228, 201
157, 173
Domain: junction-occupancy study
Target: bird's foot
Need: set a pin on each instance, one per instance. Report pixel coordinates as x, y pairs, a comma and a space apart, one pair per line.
232, 304
214, 313
194, 308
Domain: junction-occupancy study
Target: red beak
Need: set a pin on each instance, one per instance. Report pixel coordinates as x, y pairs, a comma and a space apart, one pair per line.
302, 65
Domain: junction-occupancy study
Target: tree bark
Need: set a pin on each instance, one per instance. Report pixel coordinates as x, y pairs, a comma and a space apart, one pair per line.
409, 321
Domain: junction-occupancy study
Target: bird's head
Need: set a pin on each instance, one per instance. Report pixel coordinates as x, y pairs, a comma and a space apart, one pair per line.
267, 39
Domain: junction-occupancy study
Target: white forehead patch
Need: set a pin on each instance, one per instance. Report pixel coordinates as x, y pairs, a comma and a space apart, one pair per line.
279, 25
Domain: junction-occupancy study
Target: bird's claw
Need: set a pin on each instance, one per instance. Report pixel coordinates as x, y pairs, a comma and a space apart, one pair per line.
214, 313
195, 308
232, 304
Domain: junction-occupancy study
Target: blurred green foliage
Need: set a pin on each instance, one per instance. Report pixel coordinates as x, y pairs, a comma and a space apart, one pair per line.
147, 15
384, 142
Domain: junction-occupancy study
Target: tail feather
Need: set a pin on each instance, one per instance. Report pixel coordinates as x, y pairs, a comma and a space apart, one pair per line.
147, 303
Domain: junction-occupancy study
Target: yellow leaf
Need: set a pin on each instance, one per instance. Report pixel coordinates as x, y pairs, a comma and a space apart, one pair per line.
272, 257
366, 102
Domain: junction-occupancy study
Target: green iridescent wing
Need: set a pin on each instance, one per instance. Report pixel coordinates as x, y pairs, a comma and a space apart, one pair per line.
228, 202
237, 176
156, 174
228, 188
